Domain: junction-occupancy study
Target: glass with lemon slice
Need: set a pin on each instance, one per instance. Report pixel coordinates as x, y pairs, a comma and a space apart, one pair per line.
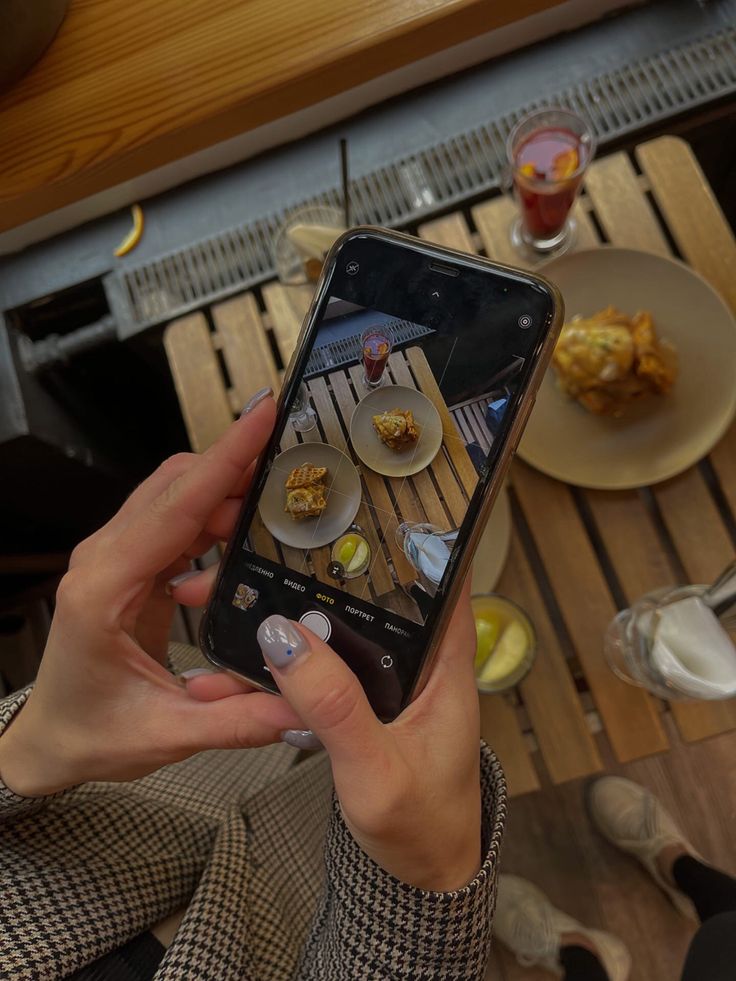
351, 555
506, 643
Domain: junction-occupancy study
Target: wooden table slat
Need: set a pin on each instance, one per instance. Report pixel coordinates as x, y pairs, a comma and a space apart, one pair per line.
245, 346
493, 219
451, 232
695, 525
629, 714
455, 446
621, 206
548, 691
723, 459
693, 215
262, 540
422, 482
500, 728
195, 369
286, 306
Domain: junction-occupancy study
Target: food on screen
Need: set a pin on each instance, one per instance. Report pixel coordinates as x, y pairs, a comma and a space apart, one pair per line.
609, 360
397, 428
306, 492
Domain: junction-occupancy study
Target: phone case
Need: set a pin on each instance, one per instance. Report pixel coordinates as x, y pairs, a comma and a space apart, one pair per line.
439, 253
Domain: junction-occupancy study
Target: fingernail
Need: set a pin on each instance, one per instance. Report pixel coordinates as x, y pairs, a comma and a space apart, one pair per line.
301, 738
196, 672
253, 401
183, 577
281, 643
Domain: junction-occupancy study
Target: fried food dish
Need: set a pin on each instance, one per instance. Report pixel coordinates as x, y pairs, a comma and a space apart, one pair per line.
396, 428
306, 494
609, 360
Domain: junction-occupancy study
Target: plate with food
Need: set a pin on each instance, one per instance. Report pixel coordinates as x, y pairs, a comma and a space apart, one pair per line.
311, 496
396, 431
641, 385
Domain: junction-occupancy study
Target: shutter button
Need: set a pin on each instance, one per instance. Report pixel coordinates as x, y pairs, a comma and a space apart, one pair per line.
318, 623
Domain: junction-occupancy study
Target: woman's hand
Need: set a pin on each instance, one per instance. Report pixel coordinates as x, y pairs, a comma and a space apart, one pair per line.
409, 791
104, 707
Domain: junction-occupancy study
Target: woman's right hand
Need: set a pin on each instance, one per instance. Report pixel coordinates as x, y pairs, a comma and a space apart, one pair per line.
104, 706
409, 791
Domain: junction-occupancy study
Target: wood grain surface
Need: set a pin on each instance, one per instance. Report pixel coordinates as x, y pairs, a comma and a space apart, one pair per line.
128, 87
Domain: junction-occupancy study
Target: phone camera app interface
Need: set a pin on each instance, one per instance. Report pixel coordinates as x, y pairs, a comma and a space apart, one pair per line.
387, 436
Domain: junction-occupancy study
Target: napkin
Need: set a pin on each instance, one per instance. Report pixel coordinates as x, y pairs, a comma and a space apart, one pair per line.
429, 554
693, 652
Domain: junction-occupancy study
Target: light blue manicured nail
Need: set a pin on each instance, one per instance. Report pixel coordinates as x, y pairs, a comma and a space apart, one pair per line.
280, 642
179, 580
196, 672
301, 738
254, 400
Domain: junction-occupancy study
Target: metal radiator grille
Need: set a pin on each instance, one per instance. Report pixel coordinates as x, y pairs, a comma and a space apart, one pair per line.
442, 175
341, 352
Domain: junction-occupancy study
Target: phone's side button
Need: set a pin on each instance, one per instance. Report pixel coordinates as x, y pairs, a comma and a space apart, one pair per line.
318, 623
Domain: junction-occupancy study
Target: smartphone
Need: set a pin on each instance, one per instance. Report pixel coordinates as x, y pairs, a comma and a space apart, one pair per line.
413, 376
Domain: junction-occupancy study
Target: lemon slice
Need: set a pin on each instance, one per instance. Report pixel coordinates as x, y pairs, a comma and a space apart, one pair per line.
134, 235
486, 632
346, 551
313, 241
565, 164
360, 557
507, 655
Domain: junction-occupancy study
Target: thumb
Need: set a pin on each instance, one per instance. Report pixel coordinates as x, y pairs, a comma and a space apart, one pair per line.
321, 689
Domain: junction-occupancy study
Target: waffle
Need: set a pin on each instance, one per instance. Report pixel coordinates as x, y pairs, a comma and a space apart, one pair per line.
305, 475
306, 495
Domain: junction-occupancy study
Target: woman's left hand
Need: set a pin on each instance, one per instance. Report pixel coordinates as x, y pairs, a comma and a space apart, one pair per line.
104, 706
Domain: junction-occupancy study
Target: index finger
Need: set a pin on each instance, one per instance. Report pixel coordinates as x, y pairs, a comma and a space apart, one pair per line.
161, 532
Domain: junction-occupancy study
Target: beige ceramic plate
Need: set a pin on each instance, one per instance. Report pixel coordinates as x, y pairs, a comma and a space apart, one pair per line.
381, 458
490, 556
662, 435
343, 497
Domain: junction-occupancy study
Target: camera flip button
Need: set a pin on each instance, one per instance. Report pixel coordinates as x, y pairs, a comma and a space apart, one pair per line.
318, 623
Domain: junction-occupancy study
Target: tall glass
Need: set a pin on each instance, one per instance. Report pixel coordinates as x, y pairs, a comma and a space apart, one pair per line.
302, 415
675, 643
428, 549
300, 245
376, 344
548, 152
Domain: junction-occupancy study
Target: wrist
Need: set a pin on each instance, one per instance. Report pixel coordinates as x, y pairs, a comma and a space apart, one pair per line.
445, 857
28, 766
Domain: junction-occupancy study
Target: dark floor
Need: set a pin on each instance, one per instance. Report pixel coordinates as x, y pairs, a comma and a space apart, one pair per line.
550, 841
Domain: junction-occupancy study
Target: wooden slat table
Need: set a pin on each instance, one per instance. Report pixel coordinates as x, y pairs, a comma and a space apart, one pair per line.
576, 555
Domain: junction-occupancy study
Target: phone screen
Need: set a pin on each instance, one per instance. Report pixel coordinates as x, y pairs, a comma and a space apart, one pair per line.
393, 422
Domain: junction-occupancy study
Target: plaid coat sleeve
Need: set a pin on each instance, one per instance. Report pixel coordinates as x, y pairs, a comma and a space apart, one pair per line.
10, 803
370, 925
254, 847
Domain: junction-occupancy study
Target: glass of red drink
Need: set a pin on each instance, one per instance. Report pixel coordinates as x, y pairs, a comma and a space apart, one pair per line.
376, 344
548, 151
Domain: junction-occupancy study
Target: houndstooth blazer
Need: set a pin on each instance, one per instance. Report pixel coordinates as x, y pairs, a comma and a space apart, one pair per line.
255, 848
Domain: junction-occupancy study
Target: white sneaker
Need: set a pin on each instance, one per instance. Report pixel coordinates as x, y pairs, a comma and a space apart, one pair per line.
531, 927
632, 818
